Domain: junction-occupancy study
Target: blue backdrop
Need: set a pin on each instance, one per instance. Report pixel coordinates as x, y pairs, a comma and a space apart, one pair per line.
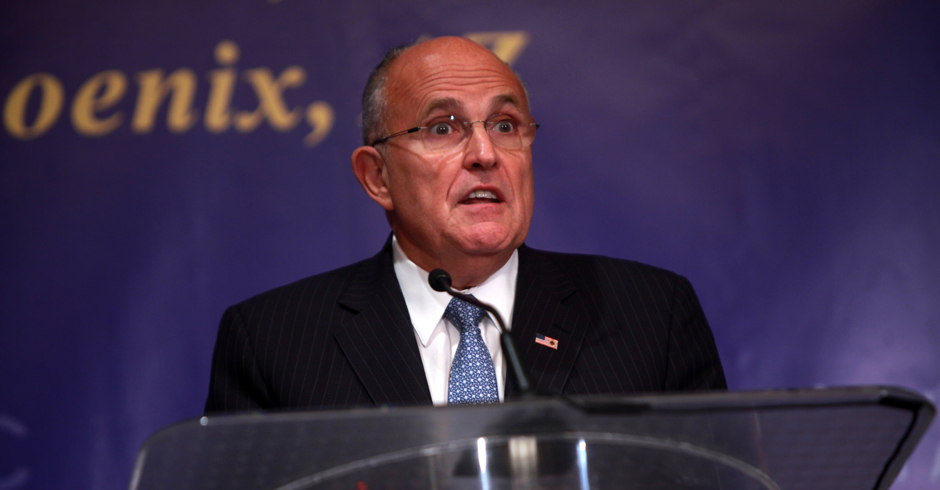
162, 160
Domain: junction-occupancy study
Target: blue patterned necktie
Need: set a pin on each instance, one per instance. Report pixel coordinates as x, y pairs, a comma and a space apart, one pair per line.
472, 375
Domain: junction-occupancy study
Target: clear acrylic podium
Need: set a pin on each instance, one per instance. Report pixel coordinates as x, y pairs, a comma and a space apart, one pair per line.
844, 438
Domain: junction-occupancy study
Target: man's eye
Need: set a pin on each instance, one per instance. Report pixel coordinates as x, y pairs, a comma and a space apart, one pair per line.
441, 129
504, 126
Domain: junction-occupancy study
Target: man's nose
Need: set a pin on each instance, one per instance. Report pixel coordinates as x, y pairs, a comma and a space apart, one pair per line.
481, 151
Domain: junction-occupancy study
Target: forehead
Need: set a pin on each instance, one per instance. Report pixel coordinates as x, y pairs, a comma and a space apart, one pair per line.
450, 75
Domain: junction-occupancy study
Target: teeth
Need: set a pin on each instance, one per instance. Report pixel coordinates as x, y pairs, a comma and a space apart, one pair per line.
482, 195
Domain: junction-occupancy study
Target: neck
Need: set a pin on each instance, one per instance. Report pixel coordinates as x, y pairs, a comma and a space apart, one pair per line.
466, 271
471, 272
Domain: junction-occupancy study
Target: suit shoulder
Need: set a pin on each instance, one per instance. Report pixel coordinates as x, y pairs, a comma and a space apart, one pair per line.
327, 286
590, 267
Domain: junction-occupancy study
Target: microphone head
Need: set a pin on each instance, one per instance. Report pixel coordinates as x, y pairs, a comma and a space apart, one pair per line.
439, 280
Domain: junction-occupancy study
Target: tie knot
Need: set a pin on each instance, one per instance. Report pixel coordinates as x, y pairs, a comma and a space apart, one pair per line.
462, 314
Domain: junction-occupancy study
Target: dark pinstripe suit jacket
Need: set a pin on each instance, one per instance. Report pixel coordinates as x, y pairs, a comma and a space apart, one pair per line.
344, 338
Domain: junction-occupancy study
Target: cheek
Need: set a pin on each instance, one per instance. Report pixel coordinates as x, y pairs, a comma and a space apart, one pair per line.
421, 187
524, 184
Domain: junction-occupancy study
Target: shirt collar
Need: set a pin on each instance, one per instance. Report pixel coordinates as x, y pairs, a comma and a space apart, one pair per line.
426, 306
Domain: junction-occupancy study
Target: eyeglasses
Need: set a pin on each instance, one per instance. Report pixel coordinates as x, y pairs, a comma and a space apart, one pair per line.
505, 131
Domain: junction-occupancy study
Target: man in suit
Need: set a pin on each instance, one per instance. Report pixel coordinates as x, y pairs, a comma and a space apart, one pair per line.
447, 154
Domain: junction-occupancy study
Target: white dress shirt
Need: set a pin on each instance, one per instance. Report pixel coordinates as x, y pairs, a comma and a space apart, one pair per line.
437, 337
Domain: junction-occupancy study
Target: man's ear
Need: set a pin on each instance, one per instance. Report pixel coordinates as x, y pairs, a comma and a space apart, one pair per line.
369, 166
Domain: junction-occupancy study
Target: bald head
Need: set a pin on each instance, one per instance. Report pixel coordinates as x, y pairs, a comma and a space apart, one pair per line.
375, 96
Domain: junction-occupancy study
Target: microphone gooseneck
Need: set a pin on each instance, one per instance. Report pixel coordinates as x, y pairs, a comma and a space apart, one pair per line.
440, 281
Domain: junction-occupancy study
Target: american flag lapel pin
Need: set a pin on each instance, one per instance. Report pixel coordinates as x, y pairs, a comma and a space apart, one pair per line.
546, 341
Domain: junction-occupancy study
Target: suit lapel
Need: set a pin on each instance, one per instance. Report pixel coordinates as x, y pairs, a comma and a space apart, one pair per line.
540, 308
379, 341
380, 345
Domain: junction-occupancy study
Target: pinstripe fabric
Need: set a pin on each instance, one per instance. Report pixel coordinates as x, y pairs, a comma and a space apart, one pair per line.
344, 339
621, 326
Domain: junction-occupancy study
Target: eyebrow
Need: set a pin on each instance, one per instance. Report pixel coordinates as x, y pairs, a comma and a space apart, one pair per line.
507, 99
450, 104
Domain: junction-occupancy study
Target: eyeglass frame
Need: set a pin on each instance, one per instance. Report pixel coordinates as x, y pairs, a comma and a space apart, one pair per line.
452, 117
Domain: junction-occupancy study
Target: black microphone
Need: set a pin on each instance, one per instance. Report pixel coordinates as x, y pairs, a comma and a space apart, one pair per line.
440, 280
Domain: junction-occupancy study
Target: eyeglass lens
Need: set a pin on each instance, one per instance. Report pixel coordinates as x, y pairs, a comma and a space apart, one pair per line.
504, 130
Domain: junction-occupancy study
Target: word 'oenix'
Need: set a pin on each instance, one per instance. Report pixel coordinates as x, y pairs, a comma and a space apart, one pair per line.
35, 104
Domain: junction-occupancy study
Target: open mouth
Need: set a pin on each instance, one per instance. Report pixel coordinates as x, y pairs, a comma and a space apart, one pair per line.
481, 197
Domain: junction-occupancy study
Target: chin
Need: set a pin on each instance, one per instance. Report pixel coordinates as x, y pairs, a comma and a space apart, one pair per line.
489, 243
